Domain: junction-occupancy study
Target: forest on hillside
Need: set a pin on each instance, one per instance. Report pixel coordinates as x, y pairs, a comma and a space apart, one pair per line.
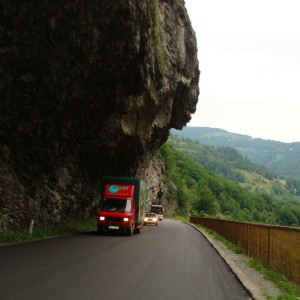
233, 165
202, 192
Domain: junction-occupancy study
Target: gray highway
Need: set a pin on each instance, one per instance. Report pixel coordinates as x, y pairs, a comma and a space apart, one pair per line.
169, 261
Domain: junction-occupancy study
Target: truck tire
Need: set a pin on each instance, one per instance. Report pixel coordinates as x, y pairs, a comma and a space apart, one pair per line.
100, 231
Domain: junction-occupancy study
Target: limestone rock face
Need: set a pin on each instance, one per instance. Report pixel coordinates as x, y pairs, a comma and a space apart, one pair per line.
88, 88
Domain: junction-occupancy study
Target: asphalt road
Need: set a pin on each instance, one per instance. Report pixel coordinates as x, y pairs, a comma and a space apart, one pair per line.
169, 261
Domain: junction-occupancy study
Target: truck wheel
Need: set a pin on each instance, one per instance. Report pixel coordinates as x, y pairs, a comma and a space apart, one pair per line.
99, 231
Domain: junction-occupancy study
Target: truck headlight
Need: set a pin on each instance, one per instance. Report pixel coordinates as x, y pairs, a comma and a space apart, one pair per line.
126, 219
102, 218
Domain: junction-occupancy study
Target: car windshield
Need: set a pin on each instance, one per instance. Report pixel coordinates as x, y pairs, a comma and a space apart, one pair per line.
116, 205
151, 215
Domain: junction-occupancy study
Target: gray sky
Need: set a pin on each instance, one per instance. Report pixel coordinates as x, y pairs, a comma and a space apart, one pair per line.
249, 56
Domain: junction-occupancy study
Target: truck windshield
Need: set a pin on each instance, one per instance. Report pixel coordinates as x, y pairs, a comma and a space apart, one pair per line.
116, 205
157, 209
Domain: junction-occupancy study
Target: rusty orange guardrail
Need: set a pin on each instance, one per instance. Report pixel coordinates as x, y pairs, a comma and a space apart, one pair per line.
275, 246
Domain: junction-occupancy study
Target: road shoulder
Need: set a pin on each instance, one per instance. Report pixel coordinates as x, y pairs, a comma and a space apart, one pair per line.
252, 280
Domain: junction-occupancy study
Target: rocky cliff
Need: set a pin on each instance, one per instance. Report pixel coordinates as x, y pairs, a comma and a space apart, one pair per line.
88, 88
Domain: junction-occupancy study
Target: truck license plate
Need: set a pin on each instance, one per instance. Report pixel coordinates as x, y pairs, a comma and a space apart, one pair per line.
113, 227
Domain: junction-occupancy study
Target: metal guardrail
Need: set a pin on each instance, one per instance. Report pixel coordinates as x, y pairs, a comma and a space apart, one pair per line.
275, 246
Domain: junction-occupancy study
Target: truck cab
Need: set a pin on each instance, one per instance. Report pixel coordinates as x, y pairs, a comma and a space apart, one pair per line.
122, 205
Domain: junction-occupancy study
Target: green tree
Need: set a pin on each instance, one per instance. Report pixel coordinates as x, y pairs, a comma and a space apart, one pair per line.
204, 201
286, 217
228, 204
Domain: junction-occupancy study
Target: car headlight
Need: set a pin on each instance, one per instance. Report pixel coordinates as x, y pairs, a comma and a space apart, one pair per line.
154, 219
102, 218
146, 219
125, 219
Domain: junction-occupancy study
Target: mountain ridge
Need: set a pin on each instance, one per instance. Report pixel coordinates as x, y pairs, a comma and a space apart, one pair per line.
280, 157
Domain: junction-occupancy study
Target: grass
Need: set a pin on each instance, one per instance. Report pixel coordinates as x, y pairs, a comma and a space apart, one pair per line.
258, 182
180, 218
154, 15
72, 227
289, 290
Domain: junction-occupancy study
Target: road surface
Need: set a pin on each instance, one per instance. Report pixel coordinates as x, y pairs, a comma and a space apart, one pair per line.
169, 261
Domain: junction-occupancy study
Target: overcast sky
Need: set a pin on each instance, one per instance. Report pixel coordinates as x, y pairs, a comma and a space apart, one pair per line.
249, 57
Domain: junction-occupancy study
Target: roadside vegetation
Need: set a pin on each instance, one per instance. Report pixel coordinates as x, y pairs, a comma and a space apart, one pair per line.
289, 290
61, 229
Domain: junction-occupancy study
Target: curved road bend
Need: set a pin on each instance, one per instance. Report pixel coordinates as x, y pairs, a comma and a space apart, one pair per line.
169, 261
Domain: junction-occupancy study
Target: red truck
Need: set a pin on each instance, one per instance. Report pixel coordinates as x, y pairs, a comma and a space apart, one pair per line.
122, 204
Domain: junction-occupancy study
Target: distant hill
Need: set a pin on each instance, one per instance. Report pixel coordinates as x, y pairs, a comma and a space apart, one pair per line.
231, 164
282, 158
